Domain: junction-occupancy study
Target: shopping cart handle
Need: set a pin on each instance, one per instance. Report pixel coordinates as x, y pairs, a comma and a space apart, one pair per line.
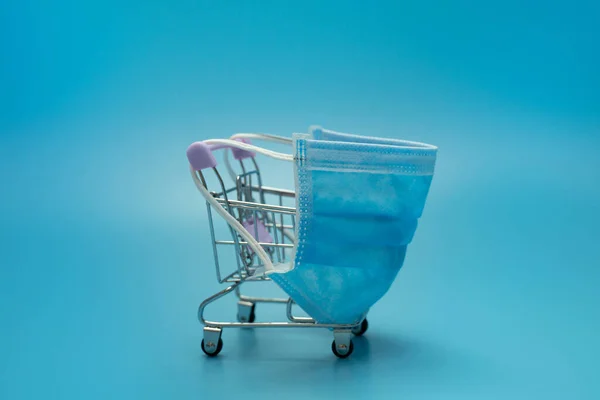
200, 154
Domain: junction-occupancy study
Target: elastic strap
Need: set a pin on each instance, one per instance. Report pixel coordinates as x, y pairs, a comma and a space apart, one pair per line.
263, 136
254, 136
249, 147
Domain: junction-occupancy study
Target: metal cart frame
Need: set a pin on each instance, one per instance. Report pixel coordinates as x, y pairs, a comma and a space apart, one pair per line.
251, 209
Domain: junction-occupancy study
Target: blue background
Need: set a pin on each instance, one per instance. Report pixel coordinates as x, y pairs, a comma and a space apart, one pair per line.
104, 250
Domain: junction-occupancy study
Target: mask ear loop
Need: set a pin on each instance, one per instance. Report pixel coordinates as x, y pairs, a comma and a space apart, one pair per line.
263, 136
248, 147
254, 136
239, 228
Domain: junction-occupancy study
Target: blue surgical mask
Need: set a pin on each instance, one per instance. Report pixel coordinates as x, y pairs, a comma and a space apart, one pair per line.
358, 203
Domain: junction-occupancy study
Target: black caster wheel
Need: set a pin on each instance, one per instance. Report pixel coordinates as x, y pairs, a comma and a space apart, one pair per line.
362, 328
252, 314
211, 351
251, 317
342, 353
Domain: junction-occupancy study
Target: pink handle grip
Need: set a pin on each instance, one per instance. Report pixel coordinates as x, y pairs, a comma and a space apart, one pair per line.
200, 154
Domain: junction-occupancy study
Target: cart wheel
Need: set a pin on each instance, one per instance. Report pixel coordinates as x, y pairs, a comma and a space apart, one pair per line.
251, 318
246, 312
362, 328
252, 314
342, 352
212, 350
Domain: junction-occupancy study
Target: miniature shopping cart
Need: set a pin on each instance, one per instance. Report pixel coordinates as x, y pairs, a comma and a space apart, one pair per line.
254, 213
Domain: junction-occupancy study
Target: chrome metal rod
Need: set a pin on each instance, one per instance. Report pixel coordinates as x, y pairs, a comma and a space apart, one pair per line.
261, 193
223, 324
291, 317
287, 245
234, 234
272, 190
262, 299
289, 235
264, 207
220, 194
245, 278
231, 275
214, 242
278, 226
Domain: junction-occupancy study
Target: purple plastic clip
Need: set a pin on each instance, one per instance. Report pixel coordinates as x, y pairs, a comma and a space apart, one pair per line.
200, 155
240, 154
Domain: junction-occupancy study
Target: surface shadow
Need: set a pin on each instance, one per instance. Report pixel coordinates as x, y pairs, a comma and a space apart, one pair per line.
291, 356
